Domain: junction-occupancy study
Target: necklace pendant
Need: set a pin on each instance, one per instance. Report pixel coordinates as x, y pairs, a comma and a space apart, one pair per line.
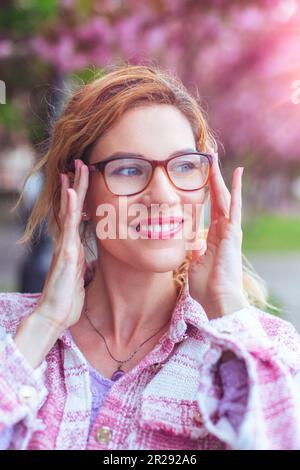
117, 374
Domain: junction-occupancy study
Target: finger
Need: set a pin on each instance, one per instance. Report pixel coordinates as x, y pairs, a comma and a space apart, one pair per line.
81, 180
220, 191
63, 197
70, 224
220, 195
235, 213
82, 186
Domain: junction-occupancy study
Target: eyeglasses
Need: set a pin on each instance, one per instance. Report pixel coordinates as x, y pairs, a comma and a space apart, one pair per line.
129, 175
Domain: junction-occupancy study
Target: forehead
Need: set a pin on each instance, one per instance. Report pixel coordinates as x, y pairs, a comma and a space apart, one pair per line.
154, 131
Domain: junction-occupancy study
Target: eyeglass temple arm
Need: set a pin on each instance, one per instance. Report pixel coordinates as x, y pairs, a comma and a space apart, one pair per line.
96, 167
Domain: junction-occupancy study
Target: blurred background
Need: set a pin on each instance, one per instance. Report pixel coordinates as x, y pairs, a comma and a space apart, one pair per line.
241, 59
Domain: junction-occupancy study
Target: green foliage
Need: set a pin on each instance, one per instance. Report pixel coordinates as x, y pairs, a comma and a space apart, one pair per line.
10, 117
272, 232
86, 75
25, 16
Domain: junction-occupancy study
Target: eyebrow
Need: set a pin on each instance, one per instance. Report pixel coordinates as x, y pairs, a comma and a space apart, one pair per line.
116, 155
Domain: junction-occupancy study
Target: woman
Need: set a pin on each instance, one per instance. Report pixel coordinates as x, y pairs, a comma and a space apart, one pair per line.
151, 345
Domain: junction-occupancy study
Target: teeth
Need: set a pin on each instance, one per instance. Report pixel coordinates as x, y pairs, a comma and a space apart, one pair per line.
157, 228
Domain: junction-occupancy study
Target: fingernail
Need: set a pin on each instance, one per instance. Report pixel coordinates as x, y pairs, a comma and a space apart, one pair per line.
241, 170
61, 175
76, 163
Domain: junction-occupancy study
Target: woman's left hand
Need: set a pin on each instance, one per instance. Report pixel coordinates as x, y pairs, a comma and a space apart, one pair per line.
216, 276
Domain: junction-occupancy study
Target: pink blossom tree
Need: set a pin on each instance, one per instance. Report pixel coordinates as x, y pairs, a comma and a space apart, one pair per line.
241, 59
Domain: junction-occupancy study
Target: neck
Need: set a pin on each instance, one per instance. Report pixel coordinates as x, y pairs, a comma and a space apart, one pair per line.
128, 305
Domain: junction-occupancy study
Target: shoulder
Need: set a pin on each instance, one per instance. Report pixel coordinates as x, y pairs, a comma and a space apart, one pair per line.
260, 331
276, 328
254, 321
283, 335
14, 306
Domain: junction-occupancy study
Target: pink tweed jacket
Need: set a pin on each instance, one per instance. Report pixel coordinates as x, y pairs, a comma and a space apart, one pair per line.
170, 400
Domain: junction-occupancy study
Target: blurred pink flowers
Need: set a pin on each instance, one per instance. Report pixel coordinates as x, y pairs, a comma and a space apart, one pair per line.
240, 58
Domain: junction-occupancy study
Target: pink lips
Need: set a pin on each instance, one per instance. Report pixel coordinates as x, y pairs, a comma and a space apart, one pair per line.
160, 220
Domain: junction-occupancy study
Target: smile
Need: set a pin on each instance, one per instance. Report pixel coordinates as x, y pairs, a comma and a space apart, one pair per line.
160, 228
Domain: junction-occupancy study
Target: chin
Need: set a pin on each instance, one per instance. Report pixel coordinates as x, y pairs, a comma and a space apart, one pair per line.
160, 262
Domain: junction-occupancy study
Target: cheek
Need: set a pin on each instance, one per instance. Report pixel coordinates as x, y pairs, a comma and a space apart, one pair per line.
193, 206
101, 202
97, 190
194, 210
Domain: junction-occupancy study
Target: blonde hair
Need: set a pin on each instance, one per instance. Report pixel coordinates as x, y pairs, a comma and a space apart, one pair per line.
88, 114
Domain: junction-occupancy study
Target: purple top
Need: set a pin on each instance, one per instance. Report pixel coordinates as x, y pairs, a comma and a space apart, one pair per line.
100, 386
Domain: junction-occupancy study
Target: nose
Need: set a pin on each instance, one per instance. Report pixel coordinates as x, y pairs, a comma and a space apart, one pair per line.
160, 189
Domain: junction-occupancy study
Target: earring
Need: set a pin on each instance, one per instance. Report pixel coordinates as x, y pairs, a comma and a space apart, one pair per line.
84, 214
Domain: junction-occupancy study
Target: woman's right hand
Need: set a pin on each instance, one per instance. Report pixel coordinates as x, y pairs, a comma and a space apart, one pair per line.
63, 294
62, 299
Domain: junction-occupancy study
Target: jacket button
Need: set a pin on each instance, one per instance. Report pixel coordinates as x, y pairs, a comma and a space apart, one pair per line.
103, 435
27, 394
198, 417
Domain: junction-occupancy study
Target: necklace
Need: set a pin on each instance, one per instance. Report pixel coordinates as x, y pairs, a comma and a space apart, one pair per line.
119, 372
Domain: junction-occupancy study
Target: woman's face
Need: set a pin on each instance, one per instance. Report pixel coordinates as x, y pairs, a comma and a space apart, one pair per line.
155, 132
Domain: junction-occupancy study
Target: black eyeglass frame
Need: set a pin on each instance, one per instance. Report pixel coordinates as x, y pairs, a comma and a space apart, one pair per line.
100, 167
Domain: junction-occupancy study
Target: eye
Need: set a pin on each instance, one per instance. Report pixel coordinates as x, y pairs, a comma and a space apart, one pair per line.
127, 171
184, 166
